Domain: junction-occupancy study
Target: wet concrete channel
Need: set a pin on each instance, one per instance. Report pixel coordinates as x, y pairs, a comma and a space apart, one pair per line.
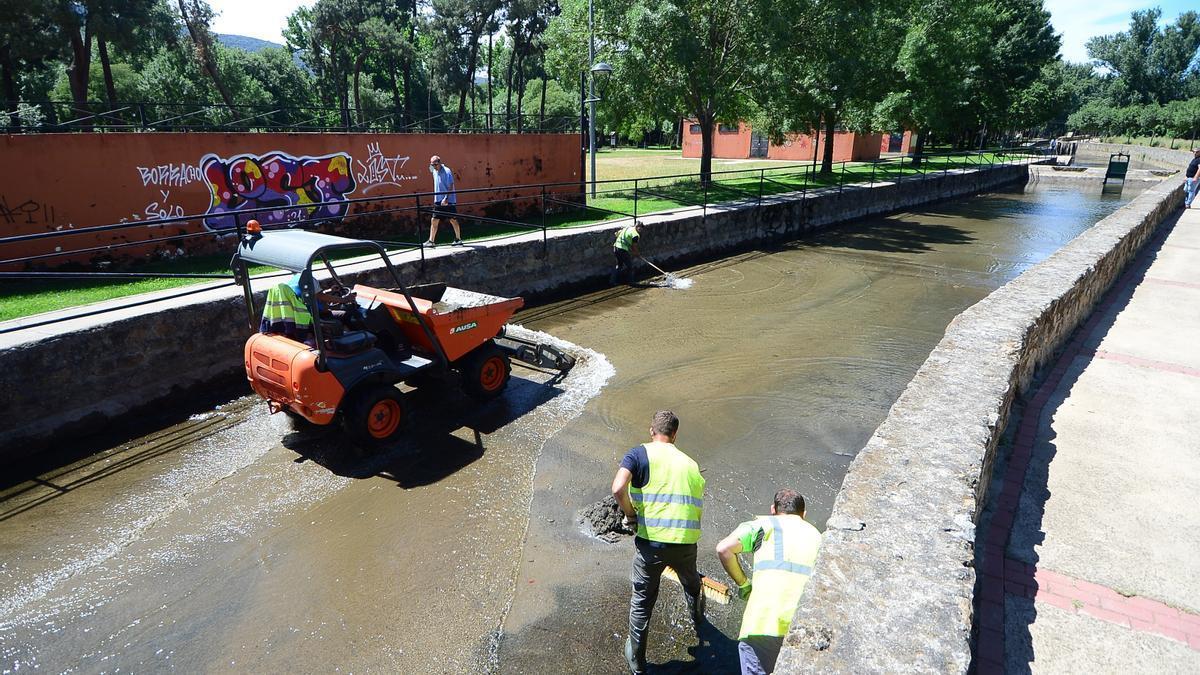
231, 542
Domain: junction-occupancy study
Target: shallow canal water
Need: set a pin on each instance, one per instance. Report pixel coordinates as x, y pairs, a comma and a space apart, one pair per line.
212, 545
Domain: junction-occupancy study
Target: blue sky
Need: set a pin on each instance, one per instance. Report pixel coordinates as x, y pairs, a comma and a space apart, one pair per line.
1076, 20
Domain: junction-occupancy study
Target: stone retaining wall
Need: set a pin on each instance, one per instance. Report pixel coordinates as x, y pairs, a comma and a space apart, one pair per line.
71, 378
893, 586
1162, 158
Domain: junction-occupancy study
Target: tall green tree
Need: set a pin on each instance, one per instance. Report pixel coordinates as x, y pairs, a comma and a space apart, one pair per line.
1150, 63
27, 43
837, 73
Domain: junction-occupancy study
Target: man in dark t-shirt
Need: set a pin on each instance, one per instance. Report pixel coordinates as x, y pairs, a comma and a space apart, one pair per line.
661, 492
1191, 180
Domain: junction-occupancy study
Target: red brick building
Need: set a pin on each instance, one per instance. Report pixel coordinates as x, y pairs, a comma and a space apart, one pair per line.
741, 142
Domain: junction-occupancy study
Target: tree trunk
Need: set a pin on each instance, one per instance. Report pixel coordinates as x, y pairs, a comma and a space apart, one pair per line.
200, 43
520, 89
397, 104
408, 59
678, 139
508, 88
542, 106
489, 123
707, 126
9, 83
77, 72
917, 151
110, 90
358, 64
827, 159
472, 57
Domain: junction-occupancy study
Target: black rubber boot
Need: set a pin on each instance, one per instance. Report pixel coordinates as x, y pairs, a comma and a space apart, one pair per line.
635, 656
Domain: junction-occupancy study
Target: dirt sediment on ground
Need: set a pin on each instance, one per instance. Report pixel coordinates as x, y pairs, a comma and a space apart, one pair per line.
604, 520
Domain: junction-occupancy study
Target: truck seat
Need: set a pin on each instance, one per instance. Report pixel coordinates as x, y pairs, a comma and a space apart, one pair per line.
349, 344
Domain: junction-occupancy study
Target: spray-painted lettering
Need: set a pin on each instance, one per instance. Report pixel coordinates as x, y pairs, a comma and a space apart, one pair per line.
296, 188
29, 212
379, 170
174, 175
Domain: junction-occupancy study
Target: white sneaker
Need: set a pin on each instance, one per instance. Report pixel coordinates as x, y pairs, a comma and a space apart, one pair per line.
457, 242
429, 243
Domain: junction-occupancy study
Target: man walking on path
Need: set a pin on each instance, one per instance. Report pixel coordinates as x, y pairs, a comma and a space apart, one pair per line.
661, 492
444, 201
1191, 180
624, 248
784, 547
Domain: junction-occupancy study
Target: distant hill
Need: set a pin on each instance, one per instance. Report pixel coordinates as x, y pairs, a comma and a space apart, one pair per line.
246, 42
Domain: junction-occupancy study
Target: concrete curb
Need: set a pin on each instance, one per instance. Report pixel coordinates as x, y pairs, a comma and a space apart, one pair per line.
76, 376
893, 590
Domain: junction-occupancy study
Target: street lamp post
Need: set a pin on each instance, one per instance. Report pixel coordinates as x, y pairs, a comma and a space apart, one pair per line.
601, 69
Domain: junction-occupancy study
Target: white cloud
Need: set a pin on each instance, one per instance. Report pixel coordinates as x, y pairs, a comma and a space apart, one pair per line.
1078, 20
262, 19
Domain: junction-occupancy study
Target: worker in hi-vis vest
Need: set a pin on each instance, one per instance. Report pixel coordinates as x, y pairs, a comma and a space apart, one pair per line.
785, 548
661, 492
624, 248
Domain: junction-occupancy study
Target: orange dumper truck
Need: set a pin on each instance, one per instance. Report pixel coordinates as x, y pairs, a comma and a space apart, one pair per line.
335, 354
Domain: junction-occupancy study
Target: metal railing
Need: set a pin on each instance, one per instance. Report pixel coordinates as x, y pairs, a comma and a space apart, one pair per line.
547, 206
97, 116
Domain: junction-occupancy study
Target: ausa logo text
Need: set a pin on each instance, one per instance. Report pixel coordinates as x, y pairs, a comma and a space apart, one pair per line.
462, 328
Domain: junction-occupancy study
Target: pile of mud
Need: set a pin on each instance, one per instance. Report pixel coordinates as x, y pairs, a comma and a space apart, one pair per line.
603, 520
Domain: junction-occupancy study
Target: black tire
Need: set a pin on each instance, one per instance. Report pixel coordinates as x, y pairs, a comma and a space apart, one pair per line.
485, 372
374, 415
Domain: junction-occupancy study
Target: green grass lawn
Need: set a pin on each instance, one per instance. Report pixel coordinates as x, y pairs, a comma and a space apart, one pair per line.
771, 177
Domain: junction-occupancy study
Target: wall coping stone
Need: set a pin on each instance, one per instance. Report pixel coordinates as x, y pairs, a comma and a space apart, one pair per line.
893, 587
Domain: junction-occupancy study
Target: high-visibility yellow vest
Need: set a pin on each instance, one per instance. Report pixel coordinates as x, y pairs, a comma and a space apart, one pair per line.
285, 312
782, 566
670, 504
625, 238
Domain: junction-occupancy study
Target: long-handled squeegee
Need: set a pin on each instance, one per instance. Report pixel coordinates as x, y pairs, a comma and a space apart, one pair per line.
671, 279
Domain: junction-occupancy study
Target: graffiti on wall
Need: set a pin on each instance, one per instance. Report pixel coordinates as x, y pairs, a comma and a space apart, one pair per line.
27, 212
296, 188
380, 170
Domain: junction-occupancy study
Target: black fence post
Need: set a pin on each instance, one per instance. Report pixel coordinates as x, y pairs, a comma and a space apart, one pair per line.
761, 175
842, 177
545, 237
635, 200
873, 165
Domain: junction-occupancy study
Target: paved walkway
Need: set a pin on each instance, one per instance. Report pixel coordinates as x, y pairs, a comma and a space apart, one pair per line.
1091, 560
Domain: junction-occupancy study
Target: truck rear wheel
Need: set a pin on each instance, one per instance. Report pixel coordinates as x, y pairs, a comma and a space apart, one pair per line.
375, 415
486, 371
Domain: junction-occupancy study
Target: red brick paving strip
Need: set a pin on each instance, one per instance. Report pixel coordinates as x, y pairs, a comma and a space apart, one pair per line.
1000, 575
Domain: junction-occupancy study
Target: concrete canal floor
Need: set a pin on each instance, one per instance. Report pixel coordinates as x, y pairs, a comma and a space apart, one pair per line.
228, 542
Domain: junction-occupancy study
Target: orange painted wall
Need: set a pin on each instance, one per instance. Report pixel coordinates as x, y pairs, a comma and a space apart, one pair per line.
905, 142
847, 146
55, 182
726, 144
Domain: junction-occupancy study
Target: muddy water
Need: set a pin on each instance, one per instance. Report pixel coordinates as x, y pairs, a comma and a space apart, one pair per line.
214, 546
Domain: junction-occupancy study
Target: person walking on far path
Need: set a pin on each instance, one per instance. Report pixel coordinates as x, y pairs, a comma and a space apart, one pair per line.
661, 492
784, 546
1191, 180
445, 201
624, 248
